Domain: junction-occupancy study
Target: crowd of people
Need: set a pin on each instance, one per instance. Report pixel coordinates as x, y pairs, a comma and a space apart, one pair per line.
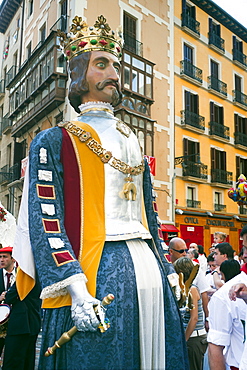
211, 307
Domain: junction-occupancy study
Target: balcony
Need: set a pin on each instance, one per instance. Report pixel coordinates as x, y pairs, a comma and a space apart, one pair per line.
2, 87
240, 138
193, 203
132, 45
39, 87
5, 175
189, 70
10, 174
10, 75
216, 42
239, 58
190, 24
221, 176
239, 98
219, 207
217, 86
6, 125
194, 169
61, 24
192, 119
219, 130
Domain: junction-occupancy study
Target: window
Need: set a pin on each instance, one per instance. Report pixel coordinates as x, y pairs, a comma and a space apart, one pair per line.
188, 53
217, 198
237, 44
64, 10
238, 83
241, 167
214, 67
240, 124
9, 155
42, 33
129, 24
191, 149
29, 50
137, 75
191, 193
191, 102
30, 7
216, 113
214, 28
218, 159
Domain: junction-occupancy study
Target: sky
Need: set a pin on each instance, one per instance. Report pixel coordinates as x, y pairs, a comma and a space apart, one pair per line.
236, 8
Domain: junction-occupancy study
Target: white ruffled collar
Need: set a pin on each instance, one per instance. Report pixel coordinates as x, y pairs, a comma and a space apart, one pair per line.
96, 105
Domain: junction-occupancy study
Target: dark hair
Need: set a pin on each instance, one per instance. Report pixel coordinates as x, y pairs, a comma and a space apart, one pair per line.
243, 231
194, 252
184, 265
200, 249
225, 248
230, 268
210, 257
78, 67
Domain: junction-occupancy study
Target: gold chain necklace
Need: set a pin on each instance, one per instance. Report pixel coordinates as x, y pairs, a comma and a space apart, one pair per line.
107, 157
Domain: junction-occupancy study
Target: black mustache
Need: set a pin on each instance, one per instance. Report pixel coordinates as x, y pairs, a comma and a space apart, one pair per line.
103, 84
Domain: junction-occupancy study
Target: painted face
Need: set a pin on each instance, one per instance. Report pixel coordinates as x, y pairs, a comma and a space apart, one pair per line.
103, 78
219, 258
6, 261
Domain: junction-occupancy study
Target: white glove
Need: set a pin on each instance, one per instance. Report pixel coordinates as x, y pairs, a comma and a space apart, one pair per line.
82, 310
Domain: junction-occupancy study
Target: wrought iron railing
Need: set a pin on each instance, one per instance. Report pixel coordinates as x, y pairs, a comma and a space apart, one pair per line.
193, 203
240, 138
188, 69
192, 119
4, 174
6, 123
239, 57
195, 169
217, 85
61, 24
133, 45
219, 130
216, 40
191, 23
239, 97
221, 176
10, 75
15, 171
219, 207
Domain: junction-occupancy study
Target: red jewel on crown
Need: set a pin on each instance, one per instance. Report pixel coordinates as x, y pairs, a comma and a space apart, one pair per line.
82, 44
103, 42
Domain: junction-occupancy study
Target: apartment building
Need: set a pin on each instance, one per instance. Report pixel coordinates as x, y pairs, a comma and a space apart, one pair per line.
210, 120
34, 84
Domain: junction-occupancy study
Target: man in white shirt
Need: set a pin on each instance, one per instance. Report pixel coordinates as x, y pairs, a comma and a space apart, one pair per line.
226, 329
7, 277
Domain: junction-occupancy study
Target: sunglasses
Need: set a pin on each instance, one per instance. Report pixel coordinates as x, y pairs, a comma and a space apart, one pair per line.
180, 250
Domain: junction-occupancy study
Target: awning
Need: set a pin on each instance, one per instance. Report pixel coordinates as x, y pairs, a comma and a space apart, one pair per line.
169, 228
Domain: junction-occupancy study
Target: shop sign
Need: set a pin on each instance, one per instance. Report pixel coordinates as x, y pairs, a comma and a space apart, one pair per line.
191, 220
220, 223
190, 228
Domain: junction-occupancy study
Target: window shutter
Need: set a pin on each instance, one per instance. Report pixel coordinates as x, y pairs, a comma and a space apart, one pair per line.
213, 158
223, 161
234, 42
186, 147
211, 111
218, 30
221, 113
237, 167
210, 24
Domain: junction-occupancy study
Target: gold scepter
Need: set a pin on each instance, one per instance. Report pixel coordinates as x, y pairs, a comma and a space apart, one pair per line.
66, 336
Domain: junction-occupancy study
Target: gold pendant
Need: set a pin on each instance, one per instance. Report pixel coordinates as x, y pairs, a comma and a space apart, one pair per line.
129, 190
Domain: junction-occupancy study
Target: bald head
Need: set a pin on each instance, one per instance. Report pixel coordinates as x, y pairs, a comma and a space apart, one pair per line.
194, 246
177, 249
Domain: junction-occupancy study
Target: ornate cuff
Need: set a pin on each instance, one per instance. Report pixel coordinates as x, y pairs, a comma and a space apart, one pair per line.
59, 288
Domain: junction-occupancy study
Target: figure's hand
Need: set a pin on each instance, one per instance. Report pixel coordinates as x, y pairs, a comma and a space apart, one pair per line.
238, 291
82, 309
2, 296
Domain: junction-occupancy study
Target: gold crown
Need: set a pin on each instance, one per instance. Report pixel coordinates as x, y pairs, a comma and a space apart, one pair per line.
83, 38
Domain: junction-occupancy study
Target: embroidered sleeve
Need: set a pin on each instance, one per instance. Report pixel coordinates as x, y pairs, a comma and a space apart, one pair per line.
54, 257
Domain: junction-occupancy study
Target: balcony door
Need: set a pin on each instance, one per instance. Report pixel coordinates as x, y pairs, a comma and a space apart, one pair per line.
129, 24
